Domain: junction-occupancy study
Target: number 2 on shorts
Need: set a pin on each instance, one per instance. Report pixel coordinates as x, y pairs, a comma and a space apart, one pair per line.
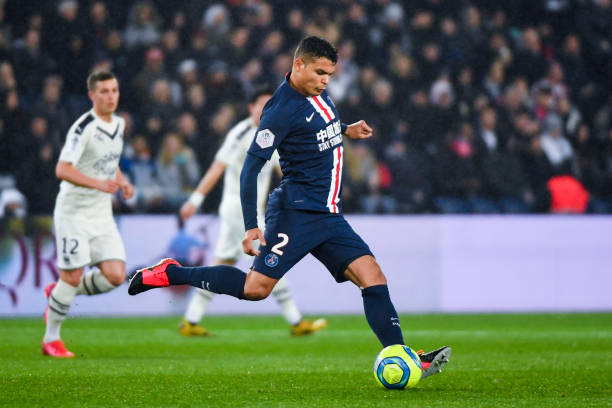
277, 248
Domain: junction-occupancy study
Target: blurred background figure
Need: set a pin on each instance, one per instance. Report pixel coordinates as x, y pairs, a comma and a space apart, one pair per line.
524, 77
177, 172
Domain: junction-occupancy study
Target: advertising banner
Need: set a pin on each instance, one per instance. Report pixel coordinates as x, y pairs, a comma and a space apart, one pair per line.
432, 263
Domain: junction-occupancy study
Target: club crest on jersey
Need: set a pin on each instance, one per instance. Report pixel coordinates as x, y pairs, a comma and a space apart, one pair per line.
330, 136
264, 138
271, 260
98, 135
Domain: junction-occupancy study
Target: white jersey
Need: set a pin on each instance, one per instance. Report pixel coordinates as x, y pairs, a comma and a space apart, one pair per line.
233, 154
94, 147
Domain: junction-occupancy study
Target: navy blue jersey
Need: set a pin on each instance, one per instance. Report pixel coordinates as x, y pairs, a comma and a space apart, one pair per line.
307, 133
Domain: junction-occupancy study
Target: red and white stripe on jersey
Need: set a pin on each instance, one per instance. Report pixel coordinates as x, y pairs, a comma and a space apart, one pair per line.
336, 178
322, 108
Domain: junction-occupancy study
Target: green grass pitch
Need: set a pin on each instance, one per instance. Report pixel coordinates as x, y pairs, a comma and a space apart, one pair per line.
544, 360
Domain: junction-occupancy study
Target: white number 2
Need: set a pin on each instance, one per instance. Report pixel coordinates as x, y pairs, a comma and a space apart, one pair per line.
277, 248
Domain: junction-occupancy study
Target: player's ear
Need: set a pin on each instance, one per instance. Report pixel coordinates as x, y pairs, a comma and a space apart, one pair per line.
298, 65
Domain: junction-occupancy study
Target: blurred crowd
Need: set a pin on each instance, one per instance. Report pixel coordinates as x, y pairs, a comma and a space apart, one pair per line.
478, 106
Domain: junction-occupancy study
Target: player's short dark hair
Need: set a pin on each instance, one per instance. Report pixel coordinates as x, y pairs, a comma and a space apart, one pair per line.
316, 47
264, 90
98, 76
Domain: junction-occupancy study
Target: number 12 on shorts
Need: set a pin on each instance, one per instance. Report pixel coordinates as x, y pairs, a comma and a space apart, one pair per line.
284, 241
70, 245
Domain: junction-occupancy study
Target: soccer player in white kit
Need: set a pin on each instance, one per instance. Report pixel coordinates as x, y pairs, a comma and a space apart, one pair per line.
229, 160
85, 231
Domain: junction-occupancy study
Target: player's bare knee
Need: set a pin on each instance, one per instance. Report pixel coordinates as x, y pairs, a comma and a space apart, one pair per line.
366, 272
256, 293
258, 286
114, 271
116, 278
376, 278
71, 277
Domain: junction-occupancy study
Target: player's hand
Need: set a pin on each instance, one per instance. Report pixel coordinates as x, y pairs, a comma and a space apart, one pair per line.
128, 190
187, 210
250, 236
108, 186
359, 130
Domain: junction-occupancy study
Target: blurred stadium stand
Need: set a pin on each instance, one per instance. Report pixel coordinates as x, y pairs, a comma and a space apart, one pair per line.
478, 106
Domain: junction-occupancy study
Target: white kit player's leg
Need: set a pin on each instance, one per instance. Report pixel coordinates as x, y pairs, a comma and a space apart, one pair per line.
190, 326
299, 326
94, 283
197, 305
282, 295
60, 300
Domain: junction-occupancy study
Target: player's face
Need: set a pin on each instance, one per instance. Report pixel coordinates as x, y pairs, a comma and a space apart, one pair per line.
312, 76
105, 97
257, 106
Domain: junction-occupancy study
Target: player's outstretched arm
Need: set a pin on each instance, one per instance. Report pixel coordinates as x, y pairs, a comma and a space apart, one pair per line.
66, 171
359, 130
208, 181
248, 189
250, 236
126, 187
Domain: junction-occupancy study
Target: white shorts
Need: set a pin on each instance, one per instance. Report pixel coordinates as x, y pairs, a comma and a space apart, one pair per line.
229, 243
231, 232
81, 243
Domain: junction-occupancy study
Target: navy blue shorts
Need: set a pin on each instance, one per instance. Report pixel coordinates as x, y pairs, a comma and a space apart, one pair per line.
291, 234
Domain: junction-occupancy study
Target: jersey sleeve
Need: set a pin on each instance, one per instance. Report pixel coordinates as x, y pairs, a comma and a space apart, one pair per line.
76, 141
273, 128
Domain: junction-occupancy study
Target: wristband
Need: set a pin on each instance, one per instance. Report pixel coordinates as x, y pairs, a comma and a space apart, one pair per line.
196, 198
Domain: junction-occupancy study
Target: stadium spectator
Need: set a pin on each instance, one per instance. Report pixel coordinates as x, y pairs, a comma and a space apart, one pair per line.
143, 27
153, 70
114, 50
50, 107
173, 55
364, 178
321, 25
177, 172
216, 23
555, 146
60, 29
34, 65
139, 167
458, 181
445, 65
36, 178
99, 25
505, 180
530, 61
410, 174
195, 103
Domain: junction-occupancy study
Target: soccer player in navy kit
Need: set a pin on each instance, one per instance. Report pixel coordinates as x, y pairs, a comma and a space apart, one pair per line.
304, 214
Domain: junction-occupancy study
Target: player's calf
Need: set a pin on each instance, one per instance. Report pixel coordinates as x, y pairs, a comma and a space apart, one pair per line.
222, 279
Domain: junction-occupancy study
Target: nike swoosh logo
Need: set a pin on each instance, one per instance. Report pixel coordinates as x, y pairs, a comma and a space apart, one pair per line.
309, 118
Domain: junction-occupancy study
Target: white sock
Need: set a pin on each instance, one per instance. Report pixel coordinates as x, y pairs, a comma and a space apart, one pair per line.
94, 283
198, 304
283, 297
59, 304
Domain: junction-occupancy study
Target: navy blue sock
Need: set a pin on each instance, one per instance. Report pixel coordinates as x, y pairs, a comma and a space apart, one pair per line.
224, 279
381, 315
